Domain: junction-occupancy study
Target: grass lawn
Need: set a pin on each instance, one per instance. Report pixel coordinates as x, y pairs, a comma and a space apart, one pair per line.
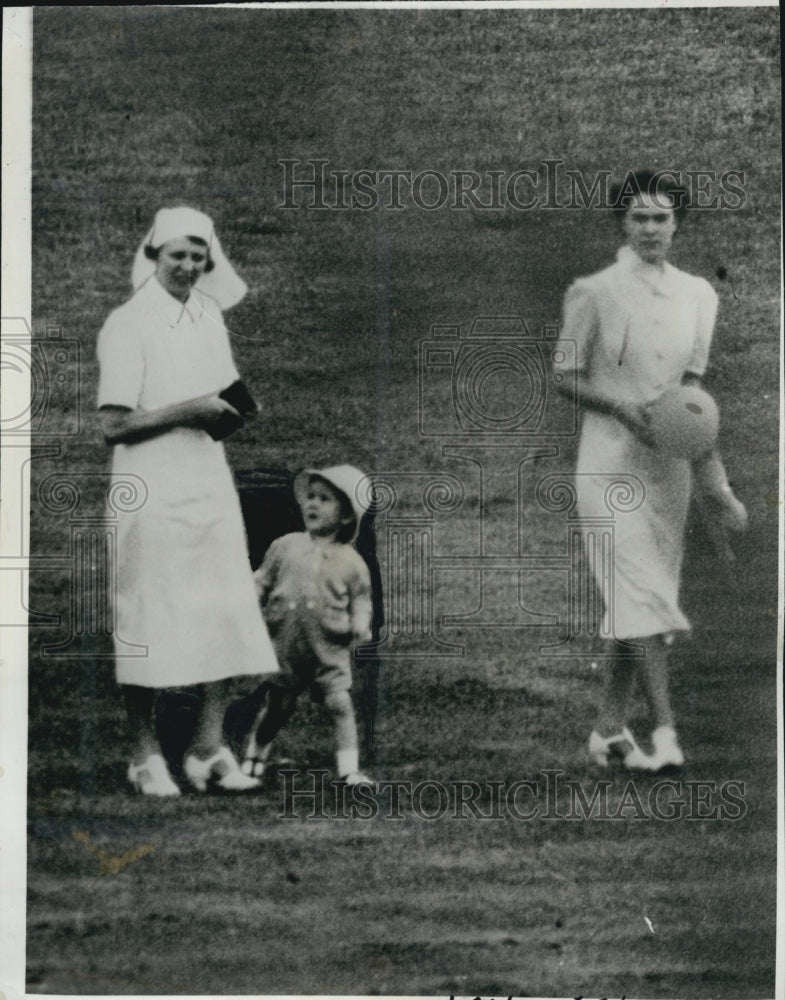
135, 108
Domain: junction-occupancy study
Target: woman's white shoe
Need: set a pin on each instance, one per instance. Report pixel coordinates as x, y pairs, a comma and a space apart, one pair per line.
667, 752
221, 771
634, 758
152, 777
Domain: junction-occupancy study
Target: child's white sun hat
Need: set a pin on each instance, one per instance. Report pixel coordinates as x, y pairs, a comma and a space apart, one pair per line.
348, 480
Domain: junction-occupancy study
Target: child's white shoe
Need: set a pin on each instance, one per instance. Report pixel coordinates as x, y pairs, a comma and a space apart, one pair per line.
219, 771
253, 766
667, 752
152, 777
255, 760
357, 778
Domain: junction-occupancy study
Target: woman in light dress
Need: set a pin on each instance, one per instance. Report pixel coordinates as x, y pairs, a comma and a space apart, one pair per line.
185, 600
641, 327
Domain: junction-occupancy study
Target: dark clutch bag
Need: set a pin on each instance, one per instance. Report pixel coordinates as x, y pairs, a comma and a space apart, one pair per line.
236, 395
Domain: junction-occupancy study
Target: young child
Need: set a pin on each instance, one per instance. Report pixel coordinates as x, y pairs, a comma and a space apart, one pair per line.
315, 593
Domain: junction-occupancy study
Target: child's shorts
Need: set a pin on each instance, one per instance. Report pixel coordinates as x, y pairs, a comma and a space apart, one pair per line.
319, 679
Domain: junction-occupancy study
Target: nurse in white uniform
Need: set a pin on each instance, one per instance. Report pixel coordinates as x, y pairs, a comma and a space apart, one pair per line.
184, 584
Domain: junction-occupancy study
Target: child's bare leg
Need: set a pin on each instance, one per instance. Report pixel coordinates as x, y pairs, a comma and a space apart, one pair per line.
140, 708
278, 708
347, 755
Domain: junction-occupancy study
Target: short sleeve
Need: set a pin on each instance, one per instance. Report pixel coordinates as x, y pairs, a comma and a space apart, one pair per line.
704, 329
121, 364
580, 324
361, 609
232, 374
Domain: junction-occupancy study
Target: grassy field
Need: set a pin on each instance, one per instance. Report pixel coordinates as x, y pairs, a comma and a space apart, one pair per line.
137, 108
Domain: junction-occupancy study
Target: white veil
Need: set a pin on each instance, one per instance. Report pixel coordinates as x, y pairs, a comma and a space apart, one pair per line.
222, 283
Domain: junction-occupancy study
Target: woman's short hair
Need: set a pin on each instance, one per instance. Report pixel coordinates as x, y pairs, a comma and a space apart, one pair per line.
153, 253
657, 184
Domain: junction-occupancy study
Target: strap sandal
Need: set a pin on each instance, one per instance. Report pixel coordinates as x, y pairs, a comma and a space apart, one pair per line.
622, 744
600, 746
635, 759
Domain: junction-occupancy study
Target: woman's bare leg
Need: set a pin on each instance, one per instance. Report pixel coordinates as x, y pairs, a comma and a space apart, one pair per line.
140, 708
209, 735
612, 735
619, 682
655, 672
209, 762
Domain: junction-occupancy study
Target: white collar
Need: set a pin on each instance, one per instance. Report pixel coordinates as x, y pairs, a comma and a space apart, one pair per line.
166, 306
661, 280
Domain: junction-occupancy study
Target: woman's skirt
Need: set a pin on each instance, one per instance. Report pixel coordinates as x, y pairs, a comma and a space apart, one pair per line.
645, 497
185, 606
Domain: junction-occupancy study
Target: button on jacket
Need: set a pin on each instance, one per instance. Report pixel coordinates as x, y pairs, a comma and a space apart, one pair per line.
316, 598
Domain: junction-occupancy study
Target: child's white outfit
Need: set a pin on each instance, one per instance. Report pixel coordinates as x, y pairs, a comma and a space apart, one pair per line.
316, 596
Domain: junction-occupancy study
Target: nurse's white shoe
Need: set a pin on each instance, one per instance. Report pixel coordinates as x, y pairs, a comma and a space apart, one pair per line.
152, 777
221, 772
